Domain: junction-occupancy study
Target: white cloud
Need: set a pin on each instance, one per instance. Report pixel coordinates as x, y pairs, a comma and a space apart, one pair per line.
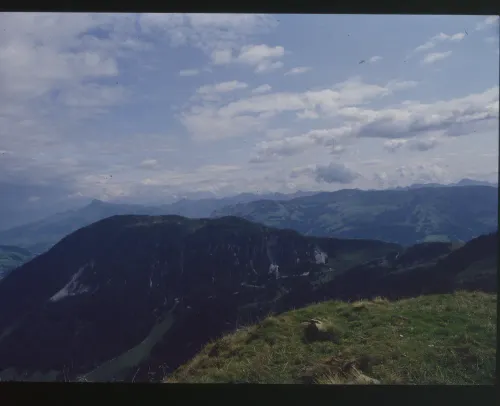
374, 59
441, 37
298, 70
268, 66
421, 145
262, 58
251, 114
450, 118
222, 56
149, 164
486, 23
262, 89
255, 54
189, 72
307, 114
223, 87
434, 57
207, 32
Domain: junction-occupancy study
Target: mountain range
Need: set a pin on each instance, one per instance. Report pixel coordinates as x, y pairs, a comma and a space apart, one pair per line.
402, 216
133, 297
461, 182
41, 235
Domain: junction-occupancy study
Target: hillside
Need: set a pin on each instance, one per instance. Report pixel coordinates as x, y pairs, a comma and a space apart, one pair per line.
400, 216
125, 292
134, 297
11, 258
41, 235
438, 339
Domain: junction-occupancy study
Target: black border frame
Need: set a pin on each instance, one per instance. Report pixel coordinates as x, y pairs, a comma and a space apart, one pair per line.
473, 7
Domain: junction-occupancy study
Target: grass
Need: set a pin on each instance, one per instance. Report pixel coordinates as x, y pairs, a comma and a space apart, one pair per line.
438, 339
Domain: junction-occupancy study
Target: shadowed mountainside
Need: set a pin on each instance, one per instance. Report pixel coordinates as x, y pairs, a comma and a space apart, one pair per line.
133, 297
105, 288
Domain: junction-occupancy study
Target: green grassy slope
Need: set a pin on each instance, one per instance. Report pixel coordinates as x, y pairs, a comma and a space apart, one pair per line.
438, 339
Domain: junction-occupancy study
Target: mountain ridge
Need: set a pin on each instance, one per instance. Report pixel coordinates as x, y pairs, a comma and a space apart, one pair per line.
400, 216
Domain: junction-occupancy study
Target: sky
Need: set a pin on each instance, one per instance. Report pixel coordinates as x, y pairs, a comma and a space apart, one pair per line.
151, 107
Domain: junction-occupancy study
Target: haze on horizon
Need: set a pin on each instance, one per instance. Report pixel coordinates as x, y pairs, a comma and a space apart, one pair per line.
146, 108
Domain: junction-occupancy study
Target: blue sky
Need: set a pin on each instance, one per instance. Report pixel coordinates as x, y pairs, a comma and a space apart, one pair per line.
150, 107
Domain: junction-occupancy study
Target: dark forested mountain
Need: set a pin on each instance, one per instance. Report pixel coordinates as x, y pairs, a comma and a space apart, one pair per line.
131, 281
133, 297
401, 216
41, 235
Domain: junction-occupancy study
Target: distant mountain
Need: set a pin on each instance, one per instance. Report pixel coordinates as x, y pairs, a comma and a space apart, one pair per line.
11, 258
462, 182
472, 182
41, 235
200, 208
400, 216
146, 291
133, 297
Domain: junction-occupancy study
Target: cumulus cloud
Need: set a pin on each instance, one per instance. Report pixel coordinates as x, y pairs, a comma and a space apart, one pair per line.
298, 70
434, 57
223, 87
334, 173
250, 114
56, 69
422, 173
450, 118
255, 54
487, 22
262, 89
421, 145
292, 145
441, 37
263, 58
189, 72
207, 32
